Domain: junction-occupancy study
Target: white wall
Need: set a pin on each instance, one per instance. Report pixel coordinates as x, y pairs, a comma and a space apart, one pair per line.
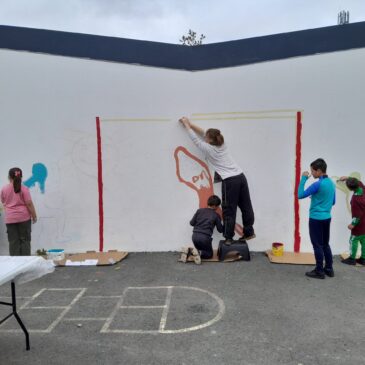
48, 107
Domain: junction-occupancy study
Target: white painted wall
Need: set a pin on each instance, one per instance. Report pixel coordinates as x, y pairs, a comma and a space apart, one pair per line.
48, 107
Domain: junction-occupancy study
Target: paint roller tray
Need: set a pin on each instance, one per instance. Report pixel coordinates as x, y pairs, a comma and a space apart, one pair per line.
92, 258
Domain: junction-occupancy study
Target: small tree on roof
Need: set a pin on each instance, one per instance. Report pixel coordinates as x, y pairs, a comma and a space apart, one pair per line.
191, 39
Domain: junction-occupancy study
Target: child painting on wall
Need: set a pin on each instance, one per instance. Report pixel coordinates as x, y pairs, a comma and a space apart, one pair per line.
19, 212
357, 225
204, 221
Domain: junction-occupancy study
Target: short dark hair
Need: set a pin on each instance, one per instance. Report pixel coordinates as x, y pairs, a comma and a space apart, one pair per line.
352, 183
214, 201
319, 164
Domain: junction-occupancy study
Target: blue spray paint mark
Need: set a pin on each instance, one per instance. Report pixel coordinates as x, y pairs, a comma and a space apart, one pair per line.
39, 175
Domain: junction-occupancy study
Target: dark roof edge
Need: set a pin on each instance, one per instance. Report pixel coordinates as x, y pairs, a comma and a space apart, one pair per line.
205, 57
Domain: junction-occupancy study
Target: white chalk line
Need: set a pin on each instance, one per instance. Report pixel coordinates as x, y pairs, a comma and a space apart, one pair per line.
105, 328
165, 312
58, 319
218, 317
108, 320
86, 319
163, 320
142, 306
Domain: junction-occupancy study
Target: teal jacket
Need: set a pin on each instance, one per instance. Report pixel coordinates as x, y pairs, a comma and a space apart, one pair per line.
323, 196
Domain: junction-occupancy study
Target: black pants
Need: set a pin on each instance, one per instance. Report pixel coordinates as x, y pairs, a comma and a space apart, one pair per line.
235, 193
19, 235
203, 243
319, 231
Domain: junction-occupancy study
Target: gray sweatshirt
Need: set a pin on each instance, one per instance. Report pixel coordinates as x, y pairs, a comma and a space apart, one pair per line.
217, 156
204, 221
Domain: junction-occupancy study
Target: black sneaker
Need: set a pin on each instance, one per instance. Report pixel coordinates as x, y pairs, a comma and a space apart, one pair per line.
329, 272
315, 274
246, 237
361, 261
228, 241
349, 261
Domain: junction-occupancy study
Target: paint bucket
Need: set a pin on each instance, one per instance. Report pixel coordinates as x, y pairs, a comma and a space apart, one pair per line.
277, 249
56, 254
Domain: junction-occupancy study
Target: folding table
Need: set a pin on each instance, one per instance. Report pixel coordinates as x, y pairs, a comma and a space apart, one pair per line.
21, 269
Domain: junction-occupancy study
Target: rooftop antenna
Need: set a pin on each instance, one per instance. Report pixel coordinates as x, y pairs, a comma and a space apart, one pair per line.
343, 17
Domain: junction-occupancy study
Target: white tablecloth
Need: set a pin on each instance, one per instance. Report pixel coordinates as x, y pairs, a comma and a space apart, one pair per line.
22, 269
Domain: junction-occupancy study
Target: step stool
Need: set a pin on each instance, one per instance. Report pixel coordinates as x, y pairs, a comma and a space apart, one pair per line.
240, 247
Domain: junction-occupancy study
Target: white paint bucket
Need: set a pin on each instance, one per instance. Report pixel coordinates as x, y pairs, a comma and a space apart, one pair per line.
56, 254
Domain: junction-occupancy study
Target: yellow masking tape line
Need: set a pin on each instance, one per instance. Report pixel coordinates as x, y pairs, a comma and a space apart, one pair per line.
250, 112
248, 117
134, 120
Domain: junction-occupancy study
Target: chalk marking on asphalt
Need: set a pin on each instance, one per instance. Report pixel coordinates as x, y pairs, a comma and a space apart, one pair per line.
63, 313
86, 319
218, 317
59, 318
142, 306
105, 328
32, 298
165, 312
102, 297
119, 305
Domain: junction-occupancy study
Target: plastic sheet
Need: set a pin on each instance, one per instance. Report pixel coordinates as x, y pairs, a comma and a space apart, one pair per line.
23, 269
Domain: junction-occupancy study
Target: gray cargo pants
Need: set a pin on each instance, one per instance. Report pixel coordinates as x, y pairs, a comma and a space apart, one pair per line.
19, 236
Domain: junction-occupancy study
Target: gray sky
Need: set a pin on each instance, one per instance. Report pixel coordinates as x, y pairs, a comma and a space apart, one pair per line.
168, 20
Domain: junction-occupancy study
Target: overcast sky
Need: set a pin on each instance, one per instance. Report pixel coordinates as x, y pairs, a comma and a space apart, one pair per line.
168, 20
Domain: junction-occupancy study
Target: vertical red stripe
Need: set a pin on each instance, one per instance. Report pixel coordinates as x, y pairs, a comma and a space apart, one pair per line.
298, 163
100, 187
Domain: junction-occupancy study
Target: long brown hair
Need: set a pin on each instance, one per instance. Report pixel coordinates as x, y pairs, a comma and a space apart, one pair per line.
215, 136
16, 175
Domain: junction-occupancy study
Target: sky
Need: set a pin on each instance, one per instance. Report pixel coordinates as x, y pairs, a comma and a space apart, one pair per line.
167, 20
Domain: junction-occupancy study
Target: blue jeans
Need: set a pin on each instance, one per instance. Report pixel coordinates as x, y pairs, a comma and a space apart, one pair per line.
319, 231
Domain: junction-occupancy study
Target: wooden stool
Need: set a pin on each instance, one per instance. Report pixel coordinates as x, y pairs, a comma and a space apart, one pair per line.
240, 247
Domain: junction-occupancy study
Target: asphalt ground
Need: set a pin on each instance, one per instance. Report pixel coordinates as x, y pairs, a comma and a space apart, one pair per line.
150, 309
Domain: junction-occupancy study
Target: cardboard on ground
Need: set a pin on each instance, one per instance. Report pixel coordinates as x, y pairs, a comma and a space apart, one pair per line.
294, 258
92, 258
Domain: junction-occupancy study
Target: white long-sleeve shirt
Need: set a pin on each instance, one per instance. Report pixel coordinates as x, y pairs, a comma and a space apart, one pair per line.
217, 156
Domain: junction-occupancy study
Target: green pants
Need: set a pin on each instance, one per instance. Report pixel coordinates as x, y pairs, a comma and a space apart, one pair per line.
19, 235
354, 244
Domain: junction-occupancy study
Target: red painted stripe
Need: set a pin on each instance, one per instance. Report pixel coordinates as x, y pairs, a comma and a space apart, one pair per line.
100, 187
298, 163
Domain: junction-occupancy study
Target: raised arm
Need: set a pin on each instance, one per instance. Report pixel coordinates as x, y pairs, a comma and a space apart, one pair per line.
193, 130
302, 193
197, 129
188, 125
